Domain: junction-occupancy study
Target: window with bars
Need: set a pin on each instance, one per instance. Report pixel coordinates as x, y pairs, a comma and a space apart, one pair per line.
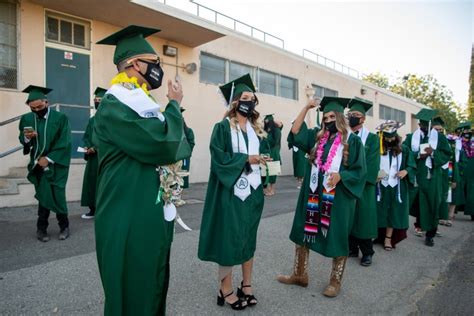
212, 69
237, 70
288, 88
267, 82
388, 113
8, 44
218, 70
321, 92
67, 31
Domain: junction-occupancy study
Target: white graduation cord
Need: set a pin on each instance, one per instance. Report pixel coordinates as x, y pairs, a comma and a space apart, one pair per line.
399, 195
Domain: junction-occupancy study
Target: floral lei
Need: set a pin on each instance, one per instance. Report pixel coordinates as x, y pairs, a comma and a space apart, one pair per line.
467, 145
123, 79
332, 152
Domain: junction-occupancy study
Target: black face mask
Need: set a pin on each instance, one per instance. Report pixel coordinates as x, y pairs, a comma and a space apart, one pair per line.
331, 127
153, 75
467, 136
41, 113
245, 108
96, 104
354, 121
424, 129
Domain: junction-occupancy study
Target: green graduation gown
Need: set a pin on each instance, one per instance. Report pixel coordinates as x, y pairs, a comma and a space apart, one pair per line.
133, 239
229, 225
275, 146
188, 132
54, 142
468, 176
446, 184
459, 193
89, 183
365, 217
349, 188
299, 158
427, 201
390, 212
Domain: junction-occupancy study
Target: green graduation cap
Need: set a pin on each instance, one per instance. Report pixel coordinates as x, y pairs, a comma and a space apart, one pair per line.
268, 117
36, 93
426, 115
360, 105
438, 121
130, 42
99, 92
335, 104
464, 126
236, 87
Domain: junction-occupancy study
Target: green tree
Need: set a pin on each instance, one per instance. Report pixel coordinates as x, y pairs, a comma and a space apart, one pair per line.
428, 91
378, 79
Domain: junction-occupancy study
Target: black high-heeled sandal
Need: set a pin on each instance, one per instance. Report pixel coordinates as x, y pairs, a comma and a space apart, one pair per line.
250, 299
237, 305
388, 248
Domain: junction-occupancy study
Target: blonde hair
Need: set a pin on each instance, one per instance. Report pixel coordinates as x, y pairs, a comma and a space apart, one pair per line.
253, 118
342, 128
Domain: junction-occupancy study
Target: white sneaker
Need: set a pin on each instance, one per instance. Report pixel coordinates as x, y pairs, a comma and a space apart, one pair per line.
87, 216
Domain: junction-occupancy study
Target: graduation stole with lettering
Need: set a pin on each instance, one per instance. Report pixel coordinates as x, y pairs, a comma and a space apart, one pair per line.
246, 179
318, 208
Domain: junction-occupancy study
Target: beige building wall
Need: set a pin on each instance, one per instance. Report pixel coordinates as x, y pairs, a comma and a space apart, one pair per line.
204, 106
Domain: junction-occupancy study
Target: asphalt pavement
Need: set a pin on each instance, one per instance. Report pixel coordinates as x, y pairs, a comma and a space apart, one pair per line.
61, 277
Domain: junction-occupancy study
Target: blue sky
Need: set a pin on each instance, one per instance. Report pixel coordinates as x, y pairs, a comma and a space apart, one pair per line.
393, 37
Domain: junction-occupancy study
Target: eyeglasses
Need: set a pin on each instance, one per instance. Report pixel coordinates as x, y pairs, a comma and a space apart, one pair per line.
154, 62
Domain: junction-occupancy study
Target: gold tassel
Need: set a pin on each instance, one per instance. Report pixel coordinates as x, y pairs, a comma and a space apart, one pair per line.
381, 142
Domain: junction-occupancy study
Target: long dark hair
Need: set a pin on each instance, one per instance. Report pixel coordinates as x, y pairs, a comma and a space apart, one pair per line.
395, 149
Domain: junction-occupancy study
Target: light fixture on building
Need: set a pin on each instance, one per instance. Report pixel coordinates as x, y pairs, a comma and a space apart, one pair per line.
170, 51
363, 91
190, 68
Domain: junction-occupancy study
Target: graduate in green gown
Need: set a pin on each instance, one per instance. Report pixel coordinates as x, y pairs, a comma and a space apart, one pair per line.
46, 136
467, 159
333, 182
451, 180
136, 137
234, 198
185, 163
449, 177
189, 133
273, 129
299, 160
461, 149
89, 183
432, 151
397, 171
365, 218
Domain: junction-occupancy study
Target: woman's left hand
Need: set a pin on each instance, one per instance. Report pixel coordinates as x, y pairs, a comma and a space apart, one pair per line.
334, 179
